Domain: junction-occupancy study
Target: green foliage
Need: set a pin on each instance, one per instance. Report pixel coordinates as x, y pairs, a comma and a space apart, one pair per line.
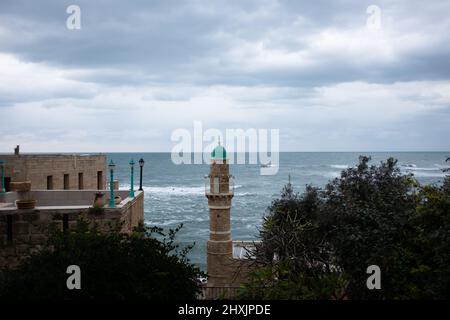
113, 266
324, 240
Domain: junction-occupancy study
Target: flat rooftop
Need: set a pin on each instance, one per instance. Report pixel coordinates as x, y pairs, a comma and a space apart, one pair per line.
64, 199
31, 154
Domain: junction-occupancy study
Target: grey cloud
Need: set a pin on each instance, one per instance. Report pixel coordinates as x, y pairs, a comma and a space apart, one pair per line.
265, 59
175, 41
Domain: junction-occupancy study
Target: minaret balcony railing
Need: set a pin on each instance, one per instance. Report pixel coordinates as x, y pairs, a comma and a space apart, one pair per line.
214, 187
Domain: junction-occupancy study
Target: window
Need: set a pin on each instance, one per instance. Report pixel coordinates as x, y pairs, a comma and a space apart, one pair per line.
100, 180
80, 181
7, 184
66, 182
49, 182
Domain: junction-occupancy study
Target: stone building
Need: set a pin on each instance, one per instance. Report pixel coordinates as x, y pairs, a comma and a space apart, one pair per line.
55, 171
227, 263
25, 231
61, 189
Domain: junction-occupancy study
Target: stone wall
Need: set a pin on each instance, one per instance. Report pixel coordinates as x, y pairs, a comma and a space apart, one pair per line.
23, 232
234, 272
36, 168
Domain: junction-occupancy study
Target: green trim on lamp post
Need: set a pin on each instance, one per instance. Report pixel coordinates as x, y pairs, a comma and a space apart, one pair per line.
132, 179
2, 168
111, 166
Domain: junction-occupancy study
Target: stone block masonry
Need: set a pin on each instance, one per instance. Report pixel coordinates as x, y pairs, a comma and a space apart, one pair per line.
24, 232
225, 272
57, 171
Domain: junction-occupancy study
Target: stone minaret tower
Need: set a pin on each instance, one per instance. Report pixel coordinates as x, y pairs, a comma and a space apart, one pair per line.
219, 191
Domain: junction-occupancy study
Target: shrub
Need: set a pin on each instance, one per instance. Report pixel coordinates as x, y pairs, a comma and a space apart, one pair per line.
113, 266
324, 240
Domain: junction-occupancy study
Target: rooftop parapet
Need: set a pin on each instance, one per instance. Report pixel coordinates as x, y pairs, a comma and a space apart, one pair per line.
56, 199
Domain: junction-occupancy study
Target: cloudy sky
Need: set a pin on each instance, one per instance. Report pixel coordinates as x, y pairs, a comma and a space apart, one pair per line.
138, 70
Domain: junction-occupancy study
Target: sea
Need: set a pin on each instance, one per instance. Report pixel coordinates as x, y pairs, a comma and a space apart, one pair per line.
175, 194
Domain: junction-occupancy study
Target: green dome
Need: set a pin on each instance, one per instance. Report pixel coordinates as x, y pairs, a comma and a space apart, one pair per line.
219, 152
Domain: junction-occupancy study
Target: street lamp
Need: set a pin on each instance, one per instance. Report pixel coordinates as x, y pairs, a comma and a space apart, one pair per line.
132, 179
141, 164
2, 168
111, 184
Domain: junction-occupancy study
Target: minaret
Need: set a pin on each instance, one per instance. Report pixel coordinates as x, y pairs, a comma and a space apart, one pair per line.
219, 191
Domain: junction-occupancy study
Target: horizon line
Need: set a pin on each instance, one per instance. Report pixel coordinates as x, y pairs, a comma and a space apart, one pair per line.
231, 152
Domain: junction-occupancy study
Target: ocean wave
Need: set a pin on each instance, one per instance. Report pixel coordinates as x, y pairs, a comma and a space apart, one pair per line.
170, 190
425, 172
168, 222
422, 169
243, 194
325, 174
173, 190
422, 174
339, 166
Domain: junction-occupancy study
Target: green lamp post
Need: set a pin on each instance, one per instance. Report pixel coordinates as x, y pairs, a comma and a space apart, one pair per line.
111, 166
2, 168
132, 179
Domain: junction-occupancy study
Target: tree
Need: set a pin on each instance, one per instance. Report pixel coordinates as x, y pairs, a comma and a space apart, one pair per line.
325, 239
284, 259
113, 266
431, 273
367, 213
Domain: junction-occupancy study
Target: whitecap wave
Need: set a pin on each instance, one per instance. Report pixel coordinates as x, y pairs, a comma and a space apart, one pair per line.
243, 194
424, 169
170, 190
409, 165
325, 174
425, 172
339, 166
168, 222
173, 190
